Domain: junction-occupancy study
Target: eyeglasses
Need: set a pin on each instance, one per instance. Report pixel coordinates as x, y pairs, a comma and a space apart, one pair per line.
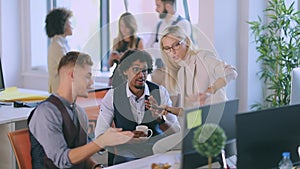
175, 46
137, 70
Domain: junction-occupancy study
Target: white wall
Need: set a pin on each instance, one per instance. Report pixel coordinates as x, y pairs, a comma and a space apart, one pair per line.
10, 42
225, 24
225, 37
249, 88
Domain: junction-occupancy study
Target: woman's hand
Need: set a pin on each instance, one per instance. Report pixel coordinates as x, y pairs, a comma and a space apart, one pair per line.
158, 111
152, 105
200, 98
115, 56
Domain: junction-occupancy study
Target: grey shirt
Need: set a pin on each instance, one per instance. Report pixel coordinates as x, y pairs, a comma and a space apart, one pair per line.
46, 127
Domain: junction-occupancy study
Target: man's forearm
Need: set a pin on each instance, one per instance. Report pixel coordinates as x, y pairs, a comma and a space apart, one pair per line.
166, 126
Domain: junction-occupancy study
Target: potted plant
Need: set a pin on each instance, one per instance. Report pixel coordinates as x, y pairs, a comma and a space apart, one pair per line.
278, 42
209, 140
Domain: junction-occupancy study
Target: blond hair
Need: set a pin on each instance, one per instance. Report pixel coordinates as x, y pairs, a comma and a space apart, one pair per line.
171, 66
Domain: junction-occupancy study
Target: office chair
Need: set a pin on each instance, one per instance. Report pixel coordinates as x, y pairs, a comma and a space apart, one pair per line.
20, 143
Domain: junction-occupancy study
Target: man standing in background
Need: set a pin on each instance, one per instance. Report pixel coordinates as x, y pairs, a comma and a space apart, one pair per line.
168, 15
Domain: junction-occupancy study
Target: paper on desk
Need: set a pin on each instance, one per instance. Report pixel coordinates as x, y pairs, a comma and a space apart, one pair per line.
194, 119
13, 94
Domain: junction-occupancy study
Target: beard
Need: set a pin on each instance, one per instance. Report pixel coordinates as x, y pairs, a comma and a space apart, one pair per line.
139, 87
163, 14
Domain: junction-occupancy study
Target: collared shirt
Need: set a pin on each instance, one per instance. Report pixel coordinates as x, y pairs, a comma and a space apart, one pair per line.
46, 127
106, 114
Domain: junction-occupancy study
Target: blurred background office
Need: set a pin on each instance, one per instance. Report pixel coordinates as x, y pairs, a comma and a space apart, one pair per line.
222, 26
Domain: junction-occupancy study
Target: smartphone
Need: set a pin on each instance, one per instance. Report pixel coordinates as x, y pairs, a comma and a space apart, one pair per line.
146, 97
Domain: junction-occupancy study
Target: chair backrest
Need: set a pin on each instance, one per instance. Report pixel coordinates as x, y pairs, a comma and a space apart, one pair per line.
21, 145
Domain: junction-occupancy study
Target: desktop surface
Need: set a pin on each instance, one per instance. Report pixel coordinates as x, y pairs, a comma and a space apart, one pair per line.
9, 114
263, 135
171, 157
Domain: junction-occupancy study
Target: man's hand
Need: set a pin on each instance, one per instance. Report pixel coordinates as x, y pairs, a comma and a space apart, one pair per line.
113, 136
138, 134
157, 111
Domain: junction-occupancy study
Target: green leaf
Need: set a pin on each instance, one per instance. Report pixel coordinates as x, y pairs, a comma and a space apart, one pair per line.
209, 139
278, 44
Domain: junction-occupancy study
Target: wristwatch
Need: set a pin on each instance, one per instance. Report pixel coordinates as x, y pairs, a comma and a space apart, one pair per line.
161, 119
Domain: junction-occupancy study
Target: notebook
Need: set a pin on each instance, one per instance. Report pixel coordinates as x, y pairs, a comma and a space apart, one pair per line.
12, 94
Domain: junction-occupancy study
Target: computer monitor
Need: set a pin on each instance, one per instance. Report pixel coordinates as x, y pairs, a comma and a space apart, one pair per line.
295, 86
222, 114
263, 135
2, 86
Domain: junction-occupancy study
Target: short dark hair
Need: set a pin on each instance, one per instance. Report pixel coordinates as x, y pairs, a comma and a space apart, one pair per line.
74, 57
131, 56
126, 61
56, 20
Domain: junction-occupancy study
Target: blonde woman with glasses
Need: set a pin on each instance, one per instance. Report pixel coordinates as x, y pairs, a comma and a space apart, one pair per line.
196, 77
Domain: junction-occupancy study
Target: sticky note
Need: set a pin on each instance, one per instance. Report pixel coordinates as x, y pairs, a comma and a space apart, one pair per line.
194, 119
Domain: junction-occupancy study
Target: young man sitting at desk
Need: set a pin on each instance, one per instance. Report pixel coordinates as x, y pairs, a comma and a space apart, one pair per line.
125, 106
58, 126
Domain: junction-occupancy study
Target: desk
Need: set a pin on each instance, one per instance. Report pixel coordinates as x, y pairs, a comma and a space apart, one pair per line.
172, 157
10, 119
13, 119
9, 114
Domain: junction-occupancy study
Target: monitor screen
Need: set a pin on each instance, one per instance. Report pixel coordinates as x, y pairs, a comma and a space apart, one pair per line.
263, 135
222, 114
295, 86
2, 87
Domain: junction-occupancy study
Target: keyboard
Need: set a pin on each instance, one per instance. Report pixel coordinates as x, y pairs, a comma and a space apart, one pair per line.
25, 104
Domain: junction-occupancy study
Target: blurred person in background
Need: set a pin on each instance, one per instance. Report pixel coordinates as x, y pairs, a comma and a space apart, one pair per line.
127, 39
58, 27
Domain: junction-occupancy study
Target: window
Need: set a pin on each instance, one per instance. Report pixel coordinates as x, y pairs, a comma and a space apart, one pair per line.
86, 26
38, 38
85, 22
